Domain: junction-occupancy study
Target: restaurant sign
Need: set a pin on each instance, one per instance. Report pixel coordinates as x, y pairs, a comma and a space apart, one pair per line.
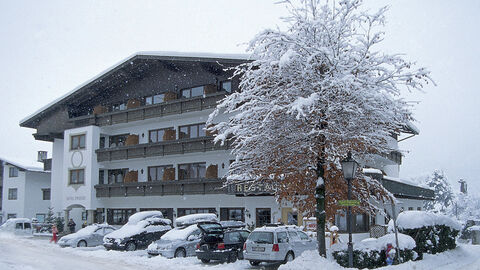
252, 188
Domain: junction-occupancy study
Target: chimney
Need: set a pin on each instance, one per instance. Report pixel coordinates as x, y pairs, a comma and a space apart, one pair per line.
42, 156
463, 186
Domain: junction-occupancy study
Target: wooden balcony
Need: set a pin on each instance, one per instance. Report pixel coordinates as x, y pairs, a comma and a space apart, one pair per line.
201, 144
161, 188
178, 106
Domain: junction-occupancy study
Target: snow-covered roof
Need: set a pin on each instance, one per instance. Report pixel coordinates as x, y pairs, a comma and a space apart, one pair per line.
403, 181
372, 171
171, 55
28, 165
131, 229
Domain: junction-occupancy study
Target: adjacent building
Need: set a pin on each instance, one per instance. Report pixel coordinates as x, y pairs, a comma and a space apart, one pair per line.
25, 190
133, 138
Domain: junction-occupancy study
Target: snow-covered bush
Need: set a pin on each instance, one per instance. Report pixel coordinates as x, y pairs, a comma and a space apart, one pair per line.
371, 252
433, 233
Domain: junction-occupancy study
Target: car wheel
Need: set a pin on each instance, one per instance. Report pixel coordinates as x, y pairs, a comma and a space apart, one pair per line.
205, 260
254, 263
82, 243
232, 257
289, 257
130, 246
180, 253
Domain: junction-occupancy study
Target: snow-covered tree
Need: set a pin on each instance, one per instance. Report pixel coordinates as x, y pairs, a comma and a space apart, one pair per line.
444, 196
50, 218
311, 94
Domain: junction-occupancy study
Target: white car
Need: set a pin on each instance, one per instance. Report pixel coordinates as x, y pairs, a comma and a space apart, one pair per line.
89, 236
276, 244
20, 226
183, 239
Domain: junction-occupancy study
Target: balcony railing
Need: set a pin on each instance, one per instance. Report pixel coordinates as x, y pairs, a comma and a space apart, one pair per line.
150, 111
161, 188
201, 144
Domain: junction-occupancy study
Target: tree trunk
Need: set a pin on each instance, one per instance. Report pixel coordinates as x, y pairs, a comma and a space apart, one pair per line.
320, 209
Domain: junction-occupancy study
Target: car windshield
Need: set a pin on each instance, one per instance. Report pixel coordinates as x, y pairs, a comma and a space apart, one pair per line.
261, 237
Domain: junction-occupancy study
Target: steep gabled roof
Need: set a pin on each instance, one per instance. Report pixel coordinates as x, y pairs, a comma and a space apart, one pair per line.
30, 120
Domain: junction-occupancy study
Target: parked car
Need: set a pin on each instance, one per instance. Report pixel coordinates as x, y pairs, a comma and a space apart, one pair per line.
141, 229
220, 243
276, 244
89, 236
20, 226
183, 239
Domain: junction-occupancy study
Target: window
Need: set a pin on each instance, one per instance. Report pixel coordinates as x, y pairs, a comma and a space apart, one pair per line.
263, 216
77, 142
226, 86
359, 222
119, 107
303, 236
116, 176
410, 208
117, 140
191, 171
187, 211
293, 236
19, 226
12, 194
46, 194
12, 172
157, 135
419, 208
191, 131
119, 216
101, 177
282, 237
77, 176
102, 143
156, 173
40, 217
292, 218
232, 214
154, 99
192, 92
9, 216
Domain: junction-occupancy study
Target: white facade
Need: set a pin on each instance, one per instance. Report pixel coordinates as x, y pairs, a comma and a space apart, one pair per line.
30, 186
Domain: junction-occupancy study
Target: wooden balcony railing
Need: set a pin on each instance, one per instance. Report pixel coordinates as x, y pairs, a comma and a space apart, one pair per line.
161, 188
150, 111
201, 144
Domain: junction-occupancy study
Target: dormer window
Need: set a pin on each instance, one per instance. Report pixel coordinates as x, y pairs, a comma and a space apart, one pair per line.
13, 172
154, 99
192, 92
226, 86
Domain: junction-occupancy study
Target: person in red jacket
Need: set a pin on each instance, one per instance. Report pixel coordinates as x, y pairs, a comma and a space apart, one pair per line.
54, 234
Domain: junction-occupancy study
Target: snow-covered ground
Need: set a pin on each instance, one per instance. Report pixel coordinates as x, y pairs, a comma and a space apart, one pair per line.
18, 253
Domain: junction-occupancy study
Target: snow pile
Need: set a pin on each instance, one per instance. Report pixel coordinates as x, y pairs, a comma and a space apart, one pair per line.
232, 224
310, 259
419, 219
194, 218
135, 218
379, 244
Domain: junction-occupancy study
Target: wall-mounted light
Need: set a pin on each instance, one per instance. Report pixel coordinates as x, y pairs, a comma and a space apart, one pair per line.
141, 171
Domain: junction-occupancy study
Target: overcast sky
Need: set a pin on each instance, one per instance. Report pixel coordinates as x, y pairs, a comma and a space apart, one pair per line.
48, 48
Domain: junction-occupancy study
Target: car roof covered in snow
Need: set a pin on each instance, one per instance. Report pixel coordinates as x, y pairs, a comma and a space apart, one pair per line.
135, 218
131, 229
194, 218
179, 233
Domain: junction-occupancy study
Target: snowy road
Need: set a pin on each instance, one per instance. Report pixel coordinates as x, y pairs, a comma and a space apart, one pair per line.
34, 254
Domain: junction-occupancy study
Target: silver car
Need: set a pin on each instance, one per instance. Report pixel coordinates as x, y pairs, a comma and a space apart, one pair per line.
276, 244
178, 242
89, 236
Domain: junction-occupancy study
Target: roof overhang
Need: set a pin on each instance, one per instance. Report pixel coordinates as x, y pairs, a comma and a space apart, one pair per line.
132, 61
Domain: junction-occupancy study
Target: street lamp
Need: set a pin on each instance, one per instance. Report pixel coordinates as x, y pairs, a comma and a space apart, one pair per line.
349, 167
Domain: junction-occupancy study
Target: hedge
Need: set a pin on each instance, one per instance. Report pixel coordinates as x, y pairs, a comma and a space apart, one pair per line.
370, 258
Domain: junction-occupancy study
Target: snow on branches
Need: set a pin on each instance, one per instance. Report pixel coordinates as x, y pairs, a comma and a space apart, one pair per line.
316, 90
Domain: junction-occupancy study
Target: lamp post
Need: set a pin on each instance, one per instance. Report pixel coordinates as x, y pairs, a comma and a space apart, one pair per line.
349, 167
